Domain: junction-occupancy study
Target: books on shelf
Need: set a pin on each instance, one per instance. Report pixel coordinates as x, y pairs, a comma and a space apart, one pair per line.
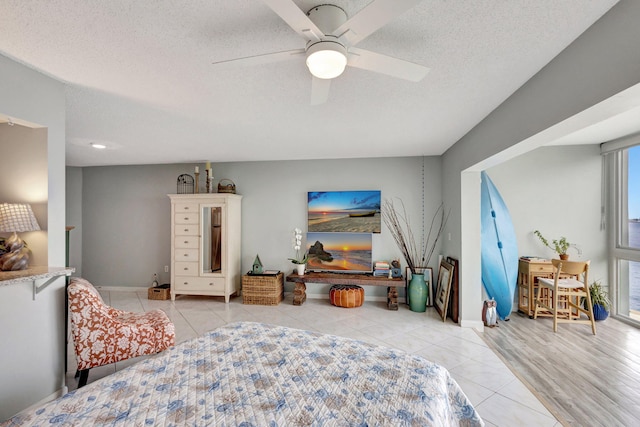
381, 268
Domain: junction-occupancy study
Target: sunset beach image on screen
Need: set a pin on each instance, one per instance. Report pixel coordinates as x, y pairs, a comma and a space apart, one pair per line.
344, 211
339, 252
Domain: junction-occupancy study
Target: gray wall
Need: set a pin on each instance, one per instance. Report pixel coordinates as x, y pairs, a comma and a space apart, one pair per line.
126, 211
74, 217
602, 62
32, 333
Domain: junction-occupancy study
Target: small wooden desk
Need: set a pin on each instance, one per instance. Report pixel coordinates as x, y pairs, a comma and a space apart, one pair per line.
300, 290
528, 272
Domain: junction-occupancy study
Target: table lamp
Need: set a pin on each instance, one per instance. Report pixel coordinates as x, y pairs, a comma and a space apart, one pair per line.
14, 218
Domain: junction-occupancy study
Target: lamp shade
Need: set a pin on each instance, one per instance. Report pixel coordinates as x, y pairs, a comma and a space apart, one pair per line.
17, 217
326, 59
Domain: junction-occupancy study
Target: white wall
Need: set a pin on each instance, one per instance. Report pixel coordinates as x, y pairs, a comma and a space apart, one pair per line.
599, 64
126, 211
556, 190
32, 333
18, 143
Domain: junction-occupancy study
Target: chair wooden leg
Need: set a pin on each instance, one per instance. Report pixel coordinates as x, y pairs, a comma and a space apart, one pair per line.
593, 321
554, 305
84, 376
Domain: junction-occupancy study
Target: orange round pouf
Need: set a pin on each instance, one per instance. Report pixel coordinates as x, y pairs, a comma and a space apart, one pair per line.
347, 296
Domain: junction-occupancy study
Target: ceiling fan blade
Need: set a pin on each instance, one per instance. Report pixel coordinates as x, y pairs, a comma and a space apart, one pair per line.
319, 90
295, 18
367, 60
374, 16
261, 59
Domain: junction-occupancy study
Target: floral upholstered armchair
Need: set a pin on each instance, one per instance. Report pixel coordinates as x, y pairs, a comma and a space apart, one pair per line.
103, 334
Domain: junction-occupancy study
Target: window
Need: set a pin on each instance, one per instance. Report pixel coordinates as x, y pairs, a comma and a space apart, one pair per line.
626, 253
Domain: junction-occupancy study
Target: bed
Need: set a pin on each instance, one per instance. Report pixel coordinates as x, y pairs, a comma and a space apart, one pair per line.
255, 374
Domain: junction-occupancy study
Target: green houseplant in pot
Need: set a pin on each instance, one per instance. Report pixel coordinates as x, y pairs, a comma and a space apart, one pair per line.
559, 246
599, 300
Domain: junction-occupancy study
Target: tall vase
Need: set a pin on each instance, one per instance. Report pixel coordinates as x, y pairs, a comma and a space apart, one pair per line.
300, 269
418, 293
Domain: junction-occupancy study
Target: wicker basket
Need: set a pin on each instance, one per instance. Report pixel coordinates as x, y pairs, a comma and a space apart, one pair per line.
226, 186
262, 290
161, 292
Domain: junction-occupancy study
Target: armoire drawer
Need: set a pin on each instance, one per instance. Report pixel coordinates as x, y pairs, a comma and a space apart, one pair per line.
199, 283
186, 207
186, 255
186, 242
186, 230
187, 218
186, 269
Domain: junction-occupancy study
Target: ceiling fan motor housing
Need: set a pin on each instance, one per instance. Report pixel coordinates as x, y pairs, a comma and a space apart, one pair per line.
327, 17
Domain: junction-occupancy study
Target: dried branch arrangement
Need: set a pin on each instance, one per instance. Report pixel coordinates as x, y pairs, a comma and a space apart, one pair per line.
397, 221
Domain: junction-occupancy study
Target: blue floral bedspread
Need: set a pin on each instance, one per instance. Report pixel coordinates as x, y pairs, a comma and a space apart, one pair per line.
254, 374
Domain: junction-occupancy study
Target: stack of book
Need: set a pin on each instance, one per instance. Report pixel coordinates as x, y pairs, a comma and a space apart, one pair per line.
381, 268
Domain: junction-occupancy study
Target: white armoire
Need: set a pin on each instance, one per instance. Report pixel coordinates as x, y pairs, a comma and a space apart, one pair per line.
205, 244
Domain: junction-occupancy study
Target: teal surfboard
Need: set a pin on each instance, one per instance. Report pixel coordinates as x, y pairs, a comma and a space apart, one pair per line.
499, 248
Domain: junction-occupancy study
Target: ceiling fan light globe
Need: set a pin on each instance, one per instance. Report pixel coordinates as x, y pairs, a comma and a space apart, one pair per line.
326, 60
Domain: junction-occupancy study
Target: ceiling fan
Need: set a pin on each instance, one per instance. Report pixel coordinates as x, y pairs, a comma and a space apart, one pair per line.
330, 39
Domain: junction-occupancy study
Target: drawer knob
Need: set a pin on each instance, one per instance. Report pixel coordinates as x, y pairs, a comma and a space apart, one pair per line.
186, 268
186, 218
185, 255
185, 283
186, 208
186, 229
210, 283
186, 241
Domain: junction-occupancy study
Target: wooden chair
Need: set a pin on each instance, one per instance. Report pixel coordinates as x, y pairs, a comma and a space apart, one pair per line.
561, 296
103, 334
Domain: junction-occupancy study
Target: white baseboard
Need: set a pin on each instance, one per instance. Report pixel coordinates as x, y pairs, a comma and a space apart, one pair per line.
122, 288
366, 298
478, 325
309, 295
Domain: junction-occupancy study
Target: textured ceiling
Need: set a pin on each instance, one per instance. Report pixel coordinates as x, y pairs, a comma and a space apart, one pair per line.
140, 77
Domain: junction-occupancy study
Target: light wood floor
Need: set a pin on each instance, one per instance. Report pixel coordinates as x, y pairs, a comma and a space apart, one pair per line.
584, 380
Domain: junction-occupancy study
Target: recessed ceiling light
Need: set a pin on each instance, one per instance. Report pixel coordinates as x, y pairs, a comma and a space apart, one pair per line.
98, 146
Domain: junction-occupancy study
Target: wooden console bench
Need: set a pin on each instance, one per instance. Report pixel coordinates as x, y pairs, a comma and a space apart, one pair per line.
300, 290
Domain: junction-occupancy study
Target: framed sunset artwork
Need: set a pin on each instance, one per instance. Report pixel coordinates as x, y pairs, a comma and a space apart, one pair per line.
343, 211
339, 252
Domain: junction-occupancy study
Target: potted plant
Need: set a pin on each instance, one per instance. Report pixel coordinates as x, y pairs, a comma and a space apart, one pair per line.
560, 246
599, 300
397, 221
299, 261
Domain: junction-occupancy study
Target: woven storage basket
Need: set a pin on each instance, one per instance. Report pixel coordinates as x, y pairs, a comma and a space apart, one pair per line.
262, 290
226, 186
161, 292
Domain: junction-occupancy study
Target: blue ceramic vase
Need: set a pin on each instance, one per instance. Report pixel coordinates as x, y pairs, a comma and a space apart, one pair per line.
599, 312
418, 293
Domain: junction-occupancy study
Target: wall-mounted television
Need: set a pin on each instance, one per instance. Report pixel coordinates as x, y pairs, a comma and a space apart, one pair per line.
339, 252
343, 211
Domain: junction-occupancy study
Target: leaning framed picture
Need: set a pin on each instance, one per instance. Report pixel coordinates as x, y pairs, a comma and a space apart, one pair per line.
428, 279
452, 310
445, 275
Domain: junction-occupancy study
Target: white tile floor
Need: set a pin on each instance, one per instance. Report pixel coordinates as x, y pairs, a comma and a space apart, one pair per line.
500, 398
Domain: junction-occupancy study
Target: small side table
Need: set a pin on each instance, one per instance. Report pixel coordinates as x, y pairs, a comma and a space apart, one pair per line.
529, 269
